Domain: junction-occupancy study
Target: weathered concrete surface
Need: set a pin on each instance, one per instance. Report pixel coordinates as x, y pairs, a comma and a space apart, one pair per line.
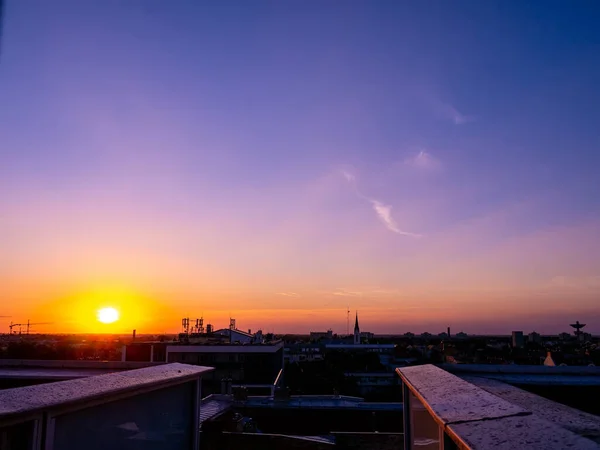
530, 375
453, 399
489, 414
77, 364
473, 369
511, 433
580, 422
46, 396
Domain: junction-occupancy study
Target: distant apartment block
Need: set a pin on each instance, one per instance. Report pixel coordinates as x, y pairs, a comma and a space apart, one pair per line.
518, 341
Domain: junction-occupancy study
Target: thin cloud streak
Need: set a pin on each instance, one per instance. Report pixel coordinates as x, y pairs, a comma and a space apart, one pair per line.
288, 294
349, 177
449, 112
456, 116
423, 160
345, 293
383, 211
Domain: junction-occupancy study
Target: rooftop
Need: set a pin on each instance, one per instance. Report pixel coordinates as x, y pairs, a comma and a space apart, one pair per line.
62, 370
320, 402
530, 375
489, 414
31, 399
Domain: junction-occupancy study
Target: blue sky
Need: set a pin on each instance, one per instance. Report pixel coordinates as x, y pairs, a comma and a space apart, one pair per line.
435, 159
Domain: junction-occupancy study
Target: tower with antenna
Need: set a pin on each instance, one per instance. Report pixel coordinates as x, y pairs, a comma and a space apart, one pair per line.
578, 326
199, 327
185, 325
348, 320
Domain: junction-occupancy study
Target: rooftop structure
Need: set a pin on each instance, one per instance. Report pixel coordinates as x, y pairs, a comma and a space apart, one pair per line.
578, 326
159, 407
443, 411
378, 348
18, 372
252, 364
529, 375
154, 404
316, 335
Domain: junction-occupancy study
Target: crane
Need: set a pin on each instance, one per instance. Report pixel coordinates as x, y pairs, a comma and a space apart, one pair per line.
27, 325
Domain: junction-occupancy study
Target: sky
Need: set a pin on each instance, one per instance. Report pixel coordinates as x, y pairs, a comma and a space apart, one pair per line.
427, 164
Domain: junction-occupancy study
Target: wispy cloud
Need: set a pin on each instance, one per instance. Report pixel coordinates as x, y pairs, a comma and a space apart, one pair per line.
383, 211
349, 177
346, 293
423, 160
288, 294
442, 109
448, 111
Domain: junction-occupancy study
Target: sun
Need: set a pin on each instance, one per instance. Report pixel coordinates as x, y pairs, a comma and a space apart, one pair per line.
107, 315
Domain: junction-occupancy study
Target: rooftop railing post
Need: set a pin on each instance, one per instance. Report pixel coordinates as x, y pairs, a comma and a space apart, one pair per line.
406, 416
196, 406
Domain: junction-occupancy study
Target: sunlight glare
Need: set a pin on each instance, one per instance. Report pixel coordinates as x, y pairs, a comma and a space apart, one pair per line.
108, 315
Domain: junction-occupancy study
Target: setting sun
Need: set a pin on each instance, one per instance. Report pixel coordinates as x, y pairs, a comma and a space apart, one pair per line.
108, 315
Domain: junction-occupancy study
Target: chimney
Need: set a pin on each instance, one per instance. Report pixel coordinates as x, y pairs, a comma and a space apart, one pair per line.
448, 331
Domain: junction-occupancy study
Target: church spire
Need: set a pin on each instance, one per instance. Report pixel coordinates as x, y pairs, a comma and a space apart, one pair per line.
356, 331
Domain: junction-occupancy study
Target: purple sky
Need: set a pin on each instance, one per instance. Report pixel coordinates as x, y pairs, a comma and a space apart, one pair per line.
428, 163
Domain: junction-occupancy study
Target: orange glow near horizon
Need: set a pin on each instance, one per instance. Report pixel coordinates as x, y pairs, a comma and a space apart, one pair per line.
93, 311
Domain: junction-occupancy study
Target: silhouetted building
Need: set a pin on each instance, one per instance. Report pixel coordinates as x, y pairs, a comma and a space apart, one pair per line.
248, 364
317, 335
518, 341
535, 338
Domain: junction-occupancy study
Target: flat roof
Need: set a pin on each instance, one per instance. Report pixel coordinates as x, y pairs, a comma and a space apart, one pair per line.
359, 346
30, 399
520, 369
575, 420
32, 369
226, 348
319, 402
476, 418
76, 363
530, 375
41, 373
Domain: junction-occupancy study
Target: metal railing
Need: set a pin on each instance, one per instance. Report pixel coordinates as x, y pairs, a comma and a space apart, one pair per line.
276, 383
159, 406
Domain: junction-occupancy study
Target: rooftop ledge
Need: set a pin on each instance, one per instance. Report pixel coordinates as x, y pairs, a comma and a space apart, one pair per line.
30, 400
476, 418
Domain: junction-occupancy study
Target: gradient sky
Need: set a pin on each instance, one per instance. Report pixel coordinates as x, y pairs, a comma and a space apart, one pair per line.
429, 163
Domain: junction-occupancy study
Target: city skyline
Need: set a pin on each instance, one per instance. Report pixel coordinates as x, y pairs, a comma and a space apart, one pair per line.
426, 165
